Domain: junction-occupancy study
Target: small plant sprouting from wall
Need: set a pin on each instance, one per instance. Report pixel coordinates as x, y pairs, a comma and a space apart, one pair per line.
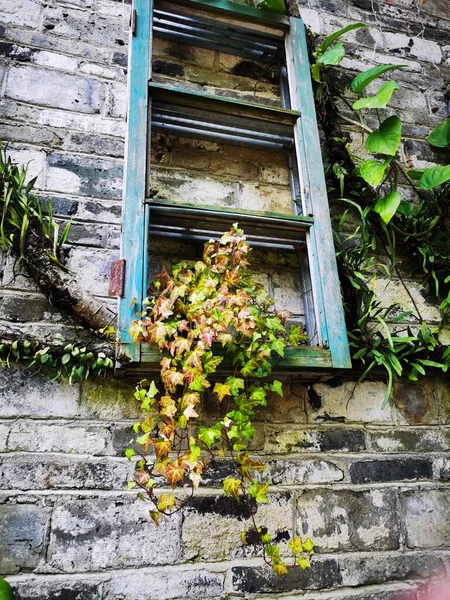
201, 316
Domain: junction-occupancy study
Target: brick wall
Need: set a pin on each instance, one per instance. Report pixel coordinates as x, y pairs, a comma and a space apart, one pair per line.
369, 485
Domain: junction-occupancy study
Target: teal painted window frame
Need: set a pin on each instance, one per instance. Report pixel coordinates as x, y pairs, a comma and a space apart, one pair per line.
332, 352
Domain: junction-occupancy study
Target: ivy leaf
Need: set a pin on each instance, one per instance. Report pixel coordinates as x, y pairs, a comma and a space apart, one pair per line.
296, 335
231, 487
258, 491
387, 207
222, 390
387, 139
381, 98
277, 387
280, 568
296, 545
362, 80
303, 562
236, 384
308, 546
373, 170
166, 501
209, 436
155, 516
440, 136
174, 472
129, 453
434, 176
259, 395
333, 56
278, 345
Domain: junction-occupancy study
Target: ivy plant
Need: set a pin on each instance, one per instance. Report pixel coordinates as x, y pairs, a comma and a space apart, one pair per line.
202, 316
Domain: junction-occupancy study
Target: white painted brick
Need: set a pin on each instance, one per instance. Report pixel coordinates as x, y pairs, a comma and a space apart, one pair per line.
32, 160
97, 70
311, 19
98, 533
360, 403
55, 61
116, 101
50, 88
25, 13
35, 436
24, 394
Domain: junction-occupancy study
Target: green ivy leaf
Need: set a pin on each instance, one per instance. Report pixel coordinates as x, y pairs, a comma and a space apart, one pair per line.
434, 176
231, 487
440, 136
387, 139
258, 491
277, 387
362, 80
129, 453
333, 56
373, 170
209, 436
303, 562
381, 98
387, 207
278, 345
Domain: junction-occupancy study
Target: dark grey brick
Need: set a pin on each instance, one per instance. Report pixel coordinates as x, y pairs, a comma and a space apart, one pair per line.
390, 470
323, 574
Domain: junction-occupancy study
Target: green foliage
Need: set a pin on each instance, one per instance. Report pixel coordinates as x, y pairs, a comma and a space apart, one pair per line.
19, 208
375, 215
74, 362
440, 136
204, 315
361, 81
6, 592
273, 5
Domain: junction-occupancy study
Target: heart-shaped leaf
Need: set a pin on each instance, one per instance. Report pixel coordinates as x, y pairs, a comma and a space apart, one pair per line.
363, 79
387, 139
381, 99
440, 136
434, 176
373, 170
416, 174
387, 207
332, 56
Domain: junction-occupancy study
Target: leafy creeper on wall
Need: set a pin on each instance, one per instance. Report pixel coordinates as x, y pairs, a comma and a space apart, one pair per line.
201, 316
375, 215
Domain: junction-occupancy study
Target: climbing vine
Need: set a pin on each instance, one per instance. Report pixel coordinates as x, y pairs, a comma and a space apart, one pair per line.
376, 220
201, 316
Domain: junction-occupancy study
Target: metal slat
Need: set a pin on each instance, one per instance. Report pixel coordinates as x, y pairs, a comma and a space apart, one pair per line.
231, 107
209, 117
230, 10
206, 27
199, 224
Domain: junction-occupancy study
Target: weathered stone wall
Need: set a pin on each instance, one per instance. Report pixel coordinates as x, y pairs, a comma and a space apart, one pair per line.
369, 485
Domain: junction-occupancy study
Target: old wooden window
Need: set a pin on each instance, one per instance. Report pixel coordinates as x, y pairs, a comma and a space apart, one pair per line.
260, 139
